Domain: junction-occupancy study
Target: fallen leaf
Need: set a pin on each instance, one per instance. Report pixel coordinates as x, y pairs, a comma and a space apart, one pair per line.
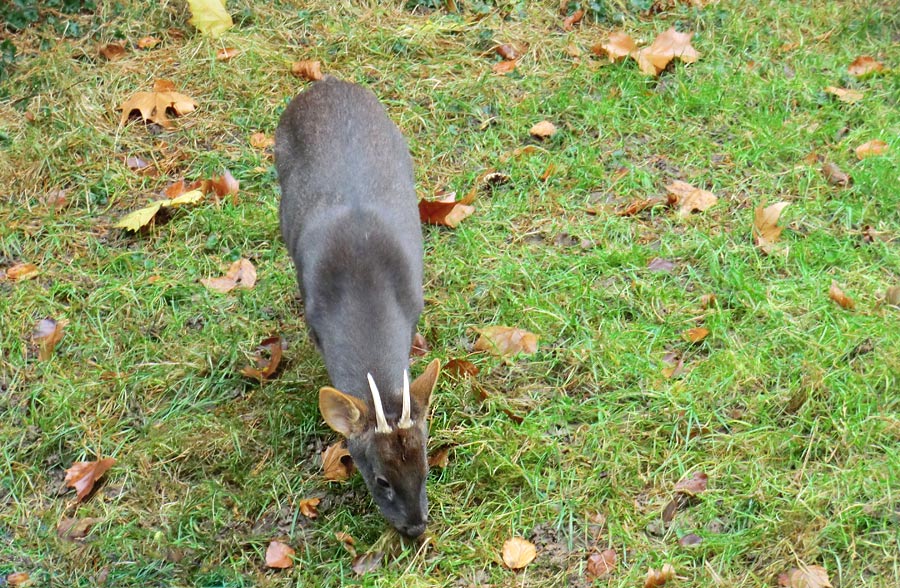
658, 264
461, 368
210, 17
688, 198
440, 458
836, 294
18, 580
227, 53
548, 172
22, 271
367, 562
892, 296
308, 507
72, 529
573, 19
638, 206
420, 346
135, 163
674, 365
693, 486
765, 225
153, 105
225, 184
507, 52
46, 334
834, 175
871, 148
133, 221
845, 95
261, 141
667, 46
707, 301
690, 540
601, 564
240, 274
83, 474
617, 47
446, 214
147, 42
505, 341
695, 335
336, 462
655, 579
864, 65
268, 356
307, 69
345, 538
504, 67
543, 129
279, 555
112, 51
518, 553
805, 577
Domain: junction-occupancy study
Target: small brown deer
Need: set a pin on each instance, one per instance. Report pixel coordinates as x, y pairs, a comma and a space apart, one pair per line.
350, 221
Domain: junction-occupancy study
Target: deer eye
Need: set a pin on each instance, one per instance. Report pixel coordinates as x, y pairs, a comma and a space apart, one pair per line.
383, 483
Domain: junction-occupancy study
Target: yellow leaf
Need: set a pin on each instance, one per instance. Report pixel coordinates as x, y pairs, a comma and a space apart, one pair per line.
192, 197
133, 221
518, 553
210, 17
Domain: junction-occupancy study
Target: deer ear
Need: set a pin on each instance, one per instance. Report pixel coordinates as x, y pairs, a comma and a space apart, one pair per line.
343, 413
422, 387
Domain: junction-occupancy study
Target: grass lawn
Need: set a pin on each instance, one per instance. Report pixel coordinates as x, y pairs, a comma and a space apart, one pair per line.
790, 406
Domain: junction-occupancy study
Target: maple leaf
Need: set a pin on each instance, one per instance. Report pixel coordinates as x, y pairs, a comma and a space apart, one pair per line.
844, 94
83, 474
22, 271
134, 221
308, 507
518, 553
617, 47
444, 213
601, 564
336, 462
688, 198
153, 105
46, 334
805, 577
543, 129
241, 274
279, 555
505, 341
765, 225
210, 17
268, 356
864, 65
836, 294
872, 148
307, 69
667, 46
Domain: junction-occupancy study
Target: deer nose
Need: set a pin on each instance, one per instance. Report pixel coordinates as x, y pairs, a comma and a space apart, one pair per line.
413, 531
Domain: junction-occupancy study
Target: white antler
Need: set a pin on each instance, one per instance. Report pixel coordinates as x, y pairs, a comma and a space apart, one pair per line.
405, 422
381, 425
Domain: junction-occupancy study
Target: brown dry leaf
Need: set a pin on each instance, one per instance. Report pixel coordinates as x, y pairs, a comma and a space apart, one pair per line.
279, 555
660, 265
505, 341
765, 225
83, 474
693, 486
601, 564
507, 52
268, 356
307, 69
419, 346
227, 53
543, 129
638, 206
440, 458
871, 148
308, 507
892, 296
845, 95
22, 271
135, 163
504, 67
548, 172
461, 368
153, 105
655, 579
688, 198
617, 47
805, 577
367, 562
707, 301
834, 175
72, 529
864, 65
240, 274
674, 365
46, 334
667, 46
573, 19
446, 214
18, 580
518, 553
336, 462
147, 42
224, 185
261, 141
690, 540
695, 335
836, 294
112, 51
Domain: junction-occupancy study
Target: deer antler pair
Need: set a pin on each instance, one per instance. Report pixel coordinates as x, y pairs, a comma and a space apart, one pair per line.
381, 424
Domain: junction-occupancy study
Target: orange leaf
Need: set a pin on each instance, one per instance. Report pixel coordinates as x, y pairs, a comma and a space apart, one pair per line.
279, 555
518, 553
447, 214
83, 474
601, 564
765, 225
695, 335
147, 42
440, 458
225, 184
226, 53
543, 129
655, 579
461, 368
22, 271
845, 95
504, 67
241, 273
336, 462
507, 52
265, 367
617, 47
46, 334
871, 148
805, 577
261, 141
836, 294
112, 51
307, 69
308, 507
505, 341
864, 65
153, 105
570, 21
688, 198
667, 46
694, 485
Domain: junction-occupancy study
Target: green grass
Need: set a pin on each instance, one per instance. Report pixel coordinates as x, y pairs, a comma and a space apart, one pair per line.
790, 405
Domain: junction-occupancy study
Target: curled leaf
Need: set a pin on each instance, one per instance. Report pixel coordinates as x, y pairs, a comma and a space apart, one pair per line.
543, 129
46, 334
765, 225
336, 462
308, 507
84, 474
688, 198
693, 486
836, 294
367, 562
447, 214
268, 357
307, 69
